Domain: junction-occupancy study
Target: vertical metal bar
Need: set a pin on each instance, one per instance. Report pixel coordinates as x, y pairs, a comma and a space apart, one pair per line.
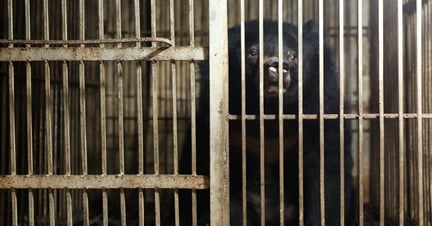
48, 116
83, 124
321, 107
174, 89
381, 108
427, 106
341, 112
419, 111
120, 91
120, 112
191, 23
139, 114
261, 108
280, 114
83, 143
66, 128
155, 112
28, 94
219, 153
103, 115
47, 95
401, 111
174, 107
29, 116
11, 94
193, 109
243, 111
360, 106
29, 143
300, 110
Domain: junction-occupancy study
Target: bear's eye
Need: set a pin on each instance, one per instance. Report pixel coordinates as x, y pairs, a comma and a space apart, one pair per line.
253, 51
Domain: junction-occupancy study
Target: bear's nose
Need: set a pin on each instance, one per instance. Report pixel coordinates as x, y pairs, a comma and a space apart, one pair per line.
272, 67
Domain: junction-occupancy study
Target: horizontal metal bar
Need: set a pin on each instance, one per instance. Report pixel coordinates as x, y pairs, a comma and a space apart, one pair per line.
333, 116
103, 181
102, 54
92, 41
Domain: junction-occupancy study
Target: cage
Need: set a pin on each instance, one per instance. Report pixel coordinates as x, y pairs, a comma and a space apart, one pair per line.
98, 99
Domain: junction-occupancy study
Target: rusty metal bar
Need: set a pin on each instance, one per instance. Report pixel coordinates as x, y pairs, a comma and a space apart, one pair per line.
193, 109
174, 110
120, 111
29, 140
122, 207
400, 112
103, 181
261, 109
360, 108
66, 119
83, 124
154, 74
29, 116
219, 153
243, 111
82, 97
104, 207
102, 82
321, 106
381, 109
164, 41
51, 201
66, 115
83, 134
11, 94
341, 112
139, 94
191, 23
427, 107
335, 116
184, 53
300, 110
48, 117
141, 202
418, 71
280, 116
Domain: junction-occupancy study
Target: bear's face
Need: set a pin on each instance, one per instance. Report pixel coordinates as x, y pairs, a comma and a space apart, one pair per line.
270, 65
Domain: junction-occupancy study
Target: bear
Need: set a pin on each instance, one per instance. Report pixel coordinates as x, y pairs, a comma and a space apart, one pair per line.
290, 104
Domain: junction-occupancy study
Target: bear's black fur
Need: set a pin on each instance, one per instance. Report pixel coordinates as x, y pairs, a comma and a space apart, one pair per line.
311, 132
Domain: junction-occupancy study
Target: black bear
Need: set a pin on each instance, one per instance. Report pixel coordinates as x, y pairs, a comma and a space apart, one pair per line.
311, 132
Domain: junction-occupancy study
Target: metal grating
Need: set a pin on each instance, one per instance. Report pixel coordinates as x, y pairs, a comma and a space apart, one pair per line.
98, 97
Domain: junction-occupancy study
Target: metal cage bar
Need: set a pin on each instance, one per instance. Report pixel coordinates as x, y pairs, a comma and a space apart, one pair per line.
342, 111
243, 112
67, 145
218, 55
419, 110
321, 107
401, 111
261, 110
360, 111
300, 112
193, 110
381, 109
29, 116
280, 116
47, 173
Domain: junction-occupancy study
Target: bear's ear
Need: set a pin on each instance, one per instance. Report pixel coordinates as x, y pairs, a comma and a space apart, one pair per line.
310, 36
310, 27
